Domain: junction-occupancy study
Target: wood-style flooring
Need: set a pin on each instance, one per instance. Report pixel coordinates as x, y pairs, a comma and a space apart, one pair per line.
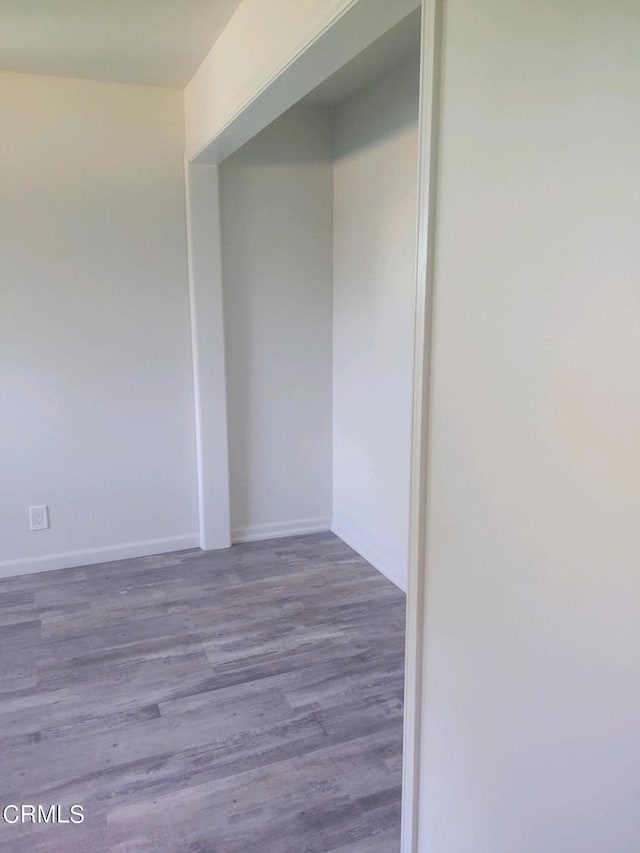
225, 702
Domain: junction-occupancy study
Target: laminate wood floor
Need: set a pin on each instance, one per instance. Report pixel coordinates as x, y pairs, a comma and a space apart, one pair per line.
235, 701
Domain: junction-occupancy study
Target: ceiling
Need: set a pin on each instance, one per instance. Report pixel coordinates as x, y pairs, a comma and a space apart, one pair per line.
152, 42
397, 45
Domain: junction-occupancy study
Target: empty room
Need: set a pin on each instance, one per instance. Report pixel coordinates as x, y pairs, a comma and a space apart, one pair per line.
319, 404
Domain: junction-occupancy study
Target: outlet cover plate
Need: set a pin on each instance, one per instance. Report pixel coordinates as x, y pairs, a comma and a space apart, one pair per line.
39, 517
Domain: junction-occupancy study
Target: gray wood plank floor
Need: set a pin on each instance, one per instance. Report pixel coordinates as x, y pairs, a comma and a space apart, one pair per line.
241, 700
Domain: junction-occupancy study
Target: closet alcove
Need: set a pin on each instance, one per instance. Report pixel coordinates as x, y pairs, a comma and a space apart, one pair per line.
318, 248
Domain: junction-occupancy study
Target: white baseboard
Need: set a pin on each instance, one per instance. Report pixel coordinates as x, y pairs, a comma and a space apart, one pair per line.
280, 529
91, 556
383, 562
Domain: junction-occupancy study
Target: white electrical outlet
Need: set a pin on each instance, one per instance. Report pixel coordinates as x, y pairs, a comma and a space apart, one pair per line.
39, 517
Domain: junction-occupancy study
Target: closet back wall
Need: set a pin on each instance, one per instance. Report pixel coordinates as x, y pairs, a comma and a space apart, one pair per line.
277, 213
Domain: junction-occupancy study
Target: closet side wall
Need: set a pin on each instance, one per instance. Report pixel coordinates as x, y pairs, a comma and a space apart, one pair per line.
277, 212
375, 177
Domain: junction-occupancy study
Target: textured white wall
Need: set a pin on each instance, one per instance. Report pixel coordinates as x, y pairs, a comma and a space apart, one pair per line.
96, 410
276, 199
533, 637
376, 149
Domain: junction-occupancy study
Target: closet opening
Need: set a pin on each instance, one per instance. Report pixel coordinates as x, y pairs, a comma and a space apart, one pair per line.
318, 235
318, 252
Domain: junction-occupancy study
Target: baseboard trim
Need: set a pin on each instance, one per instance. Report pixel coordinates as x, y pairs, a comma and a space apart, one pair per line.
378, 559
91, 556
280, 529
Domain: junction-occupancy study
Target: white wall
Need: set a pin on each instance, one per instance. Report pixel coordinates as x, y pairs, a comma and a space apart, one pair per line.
240, 63
276, 200
260, 66
532, 737
96, 411
375, 143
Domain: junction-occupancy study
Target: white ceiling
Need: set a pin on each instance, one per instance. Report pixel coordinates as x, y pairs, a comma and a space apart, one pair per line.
398, 44
153, 42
